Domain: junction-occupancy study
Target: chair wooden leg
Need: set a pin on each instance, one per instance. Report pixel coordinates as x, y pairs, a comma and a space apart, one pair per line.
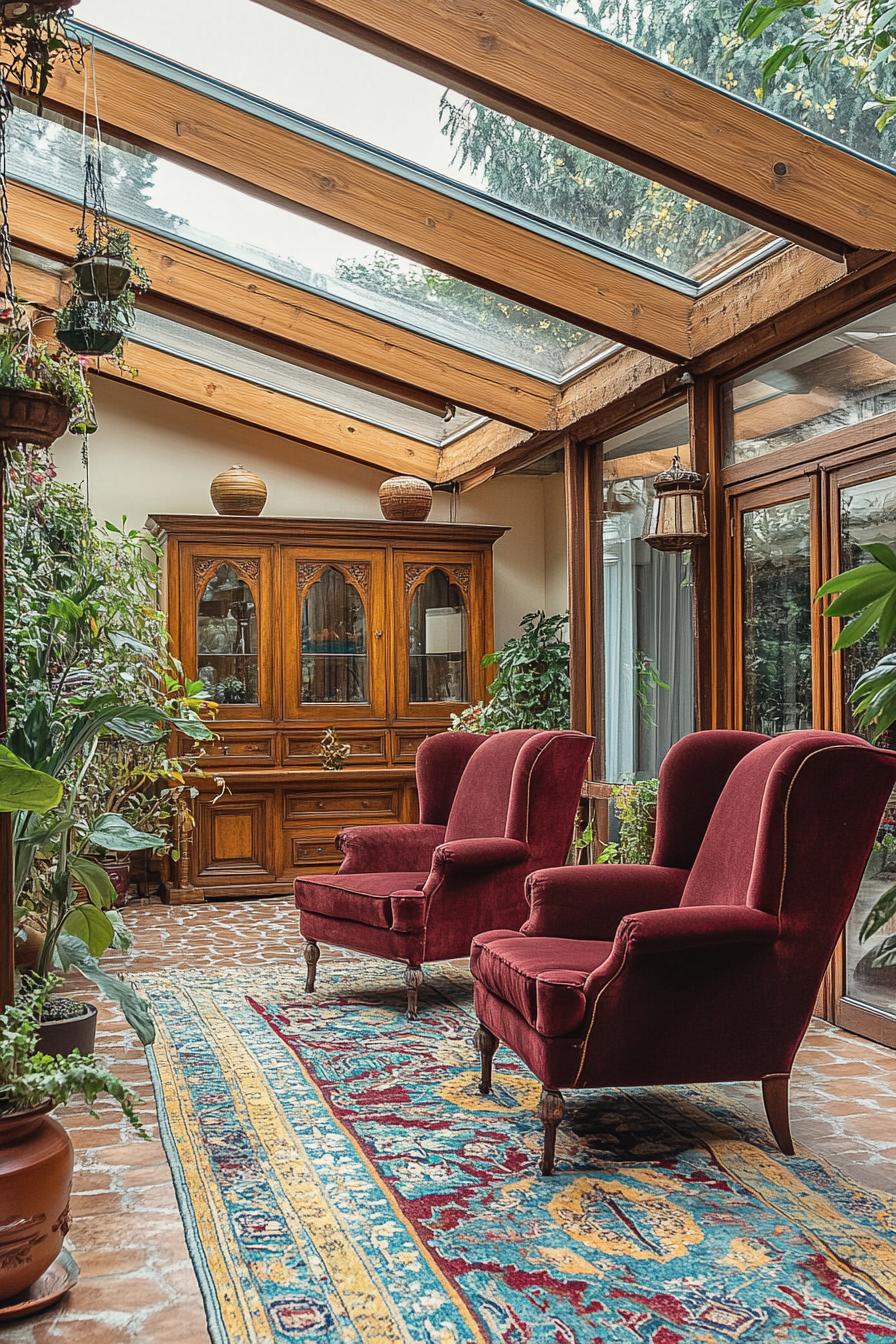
486, 1043
413, 978
775, 1096
550, 1111
312, 957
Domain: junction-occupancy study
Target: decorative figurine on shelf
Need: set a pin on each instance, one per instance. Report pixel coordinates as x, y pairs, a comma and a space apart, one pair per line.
333, 753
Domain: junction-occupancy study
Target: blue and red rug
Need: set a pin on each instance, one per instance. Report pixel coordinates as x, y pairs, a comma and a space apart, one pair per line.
342, 1181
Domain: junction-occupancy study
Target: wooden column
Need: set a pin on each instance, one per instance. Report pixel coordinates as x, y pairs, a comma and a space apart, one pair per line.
584, 551
707, 559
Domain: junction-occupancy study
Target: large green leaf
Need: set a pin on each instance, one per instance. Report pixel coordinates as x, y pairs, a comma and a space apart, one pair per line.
881, 913
24, 789
73, 954
112, 832
91, 927
95, 881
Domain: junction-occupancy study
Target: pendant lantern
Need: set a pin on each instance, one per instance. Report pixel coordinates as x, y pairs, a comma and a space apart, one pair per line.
678, 520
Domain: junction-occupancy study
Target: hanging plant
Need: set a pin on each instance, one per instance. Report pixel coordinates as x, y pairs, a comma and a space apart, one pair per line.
41, 389
87, 326
35, 40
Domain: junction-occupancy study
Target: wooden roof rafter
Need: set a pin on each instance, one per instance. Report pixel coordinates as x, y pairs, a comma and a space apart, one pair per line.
307, 322
631, 109
459, 232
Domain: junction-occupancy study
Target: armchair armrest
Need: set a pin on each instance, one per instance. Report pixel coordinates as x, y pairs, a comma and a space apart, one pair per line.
694, 928
481, 854
589, 901
389, 849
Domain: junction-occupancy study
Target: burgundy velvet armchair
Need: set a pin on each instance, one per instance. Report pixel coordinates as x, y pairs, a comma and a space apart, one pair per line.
492, 809
704, 965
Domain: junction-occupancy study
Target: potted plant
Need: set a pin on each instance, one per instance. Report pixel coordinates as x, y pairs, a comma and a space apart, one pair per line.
106, 267
531, 685
36, 1157
867, 596
87, 326
40, 389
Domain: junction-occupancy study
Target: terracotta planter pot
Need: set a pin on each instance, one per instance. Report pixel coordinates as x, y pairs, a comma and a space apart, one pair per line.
68, 1034
119, 871
405, 499
238, 491
36, 1163
103, 277
31, 417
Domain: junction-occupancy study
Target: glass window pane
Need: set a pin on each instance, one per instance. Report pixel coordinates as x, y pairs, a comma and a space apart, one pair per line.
227, 638
437, 646
334, 643
777, 634
868, 514
840, 379
175, 201
213, 352
270, 56
700, 38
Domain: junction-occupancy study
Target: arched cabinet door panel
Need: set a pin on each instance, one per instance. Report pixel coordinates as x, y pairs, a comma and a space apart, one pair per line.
226, 639
441, 633
334, 634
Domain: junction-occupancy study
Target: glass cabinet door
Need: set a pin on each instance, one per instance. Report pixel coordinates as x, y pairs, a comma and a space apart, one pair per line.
866, 511
225, 646
334, 657
439, 641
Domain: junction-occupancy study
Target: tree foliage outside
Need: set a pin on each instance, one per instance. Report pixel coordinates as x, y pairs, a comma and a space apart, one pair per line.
555, 180
858, 35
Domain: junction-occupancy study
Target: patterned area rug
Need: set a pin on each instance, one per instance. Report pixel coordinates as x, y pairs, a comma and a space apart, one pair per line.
342, 1182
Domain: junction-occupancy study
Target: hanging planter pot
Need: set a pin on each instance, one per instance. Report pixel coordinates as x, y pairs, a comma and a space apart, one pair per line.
87, 340
31, 417
103, 276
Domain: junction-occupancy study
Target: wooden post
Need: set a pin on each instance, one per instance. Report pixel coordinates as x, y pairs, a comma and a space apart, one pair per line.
584, 551
705, 448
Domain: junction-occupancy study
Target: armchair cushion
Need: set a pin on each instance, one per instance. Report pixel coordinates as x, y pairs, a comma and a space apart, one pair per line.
388, 849
542, 978
365, 898
589, 901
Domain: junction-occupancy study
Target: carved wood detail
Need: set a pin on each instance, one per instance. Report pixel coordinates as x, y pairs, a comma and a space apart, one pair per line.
204, 564
459, 574
356, 570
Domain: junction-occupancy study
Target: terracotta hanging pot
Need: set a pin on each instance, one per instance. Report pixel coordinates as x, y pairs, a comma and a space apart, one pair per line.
36, 1163
405, 499
31, 417
238, 491
102, 277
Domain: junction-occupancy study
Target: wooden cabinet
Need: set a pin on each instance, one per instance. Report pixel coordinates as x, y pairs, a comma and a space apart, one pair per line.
375, 629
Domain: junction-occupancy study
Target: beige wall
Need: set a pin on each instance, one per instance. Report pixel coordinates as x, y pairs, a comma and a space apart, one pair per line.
556, 593
152, 455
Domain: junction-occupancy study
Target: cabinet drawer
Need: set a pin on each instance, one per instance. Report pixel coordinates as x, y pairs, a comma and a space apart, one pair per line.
406, 742
234, 748
232, 840
357, 803
303, 748
312, 853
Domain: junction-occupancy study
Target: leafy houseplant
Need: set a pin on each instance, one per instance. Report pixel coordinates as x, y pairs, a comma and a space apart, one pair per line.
867, 595
94, 696
36, 1150
635, 806
35, 40
41, 389
107, 278
531, 686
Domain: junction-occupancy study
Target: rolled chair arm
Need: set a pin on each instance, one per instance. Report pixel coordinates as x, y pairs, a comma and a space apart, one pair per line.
694, 928
589, 901
389, 849
481, 855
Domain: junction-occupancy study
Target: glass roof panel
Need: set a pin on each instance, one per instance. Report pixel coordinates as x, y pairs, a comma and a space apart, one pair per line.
700, 38
272, 57
280, 375
175, 201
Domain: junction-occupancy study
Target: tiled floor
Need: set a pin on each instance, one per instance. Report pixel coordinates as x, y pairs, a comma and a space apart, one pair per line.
136, 1279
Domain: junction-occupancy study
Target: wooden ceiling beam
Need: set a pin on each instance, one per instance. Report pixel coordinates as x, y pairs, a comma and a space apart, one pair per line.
235, 398
314, 328
385, 207
631, 109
